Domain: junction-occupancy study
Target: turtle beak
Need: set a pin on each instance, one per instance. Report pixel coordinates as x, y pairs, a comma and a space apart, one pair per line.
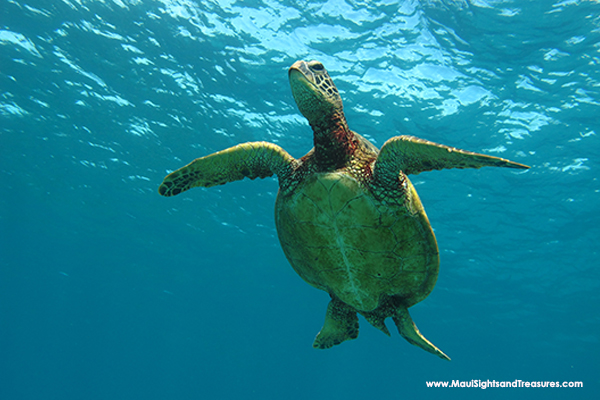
299, 71
300, 66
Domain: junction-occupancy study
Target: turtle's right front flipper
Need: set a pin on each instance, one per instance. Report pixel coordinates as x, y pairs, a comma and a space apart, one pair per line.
412, 155
248, 160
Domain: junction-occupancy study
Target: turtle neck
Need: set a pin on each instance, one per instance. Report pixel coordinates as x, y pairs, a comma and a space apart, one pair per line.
333, 141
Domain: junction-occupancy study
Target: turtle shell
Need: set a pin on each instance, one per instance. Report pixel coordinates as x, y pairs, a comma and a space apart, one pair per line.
341, 239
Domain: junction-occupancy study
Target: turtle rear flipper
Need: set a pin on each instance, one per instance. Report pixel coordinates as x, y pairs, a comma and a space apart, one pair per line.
341, 324
408, 330
248, 160
412, 155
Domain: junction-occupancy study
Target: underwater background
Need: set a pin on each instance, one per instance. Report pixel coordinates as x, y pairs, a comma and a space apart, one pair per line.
110, 291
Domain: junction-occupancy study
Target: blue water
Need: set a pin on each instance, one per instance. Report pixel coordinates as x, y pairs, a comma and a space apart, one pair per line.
110, 291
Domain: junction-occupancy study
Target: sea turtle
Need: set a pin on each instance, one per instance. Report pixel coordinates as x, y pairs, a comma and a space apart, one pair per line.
348, 218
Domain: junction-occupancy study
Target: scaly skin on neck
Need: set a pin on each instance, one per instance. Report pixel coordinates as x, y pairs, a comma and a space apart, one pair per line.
333, 141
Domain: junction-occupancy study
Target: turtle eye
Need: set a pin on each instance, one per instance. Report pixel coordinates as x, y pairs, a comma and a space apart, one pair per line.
317, 67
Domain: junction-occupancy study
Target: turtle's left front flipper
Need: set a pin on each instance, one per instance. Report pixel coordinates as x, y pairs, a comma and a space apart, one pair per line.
248, 160
412, 155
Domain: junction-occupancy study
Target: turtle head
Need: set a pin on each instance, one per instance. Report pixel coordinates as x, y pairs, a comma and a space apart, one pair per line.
314, 92
321, 104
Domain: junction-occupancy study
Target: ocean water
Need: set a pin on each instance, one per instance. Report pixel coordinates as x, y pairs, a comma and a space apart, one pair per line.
110, 291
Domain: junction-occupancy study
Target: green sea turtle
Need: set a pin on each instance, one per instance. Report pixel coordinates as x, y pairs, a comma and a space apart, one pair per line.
348, 218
